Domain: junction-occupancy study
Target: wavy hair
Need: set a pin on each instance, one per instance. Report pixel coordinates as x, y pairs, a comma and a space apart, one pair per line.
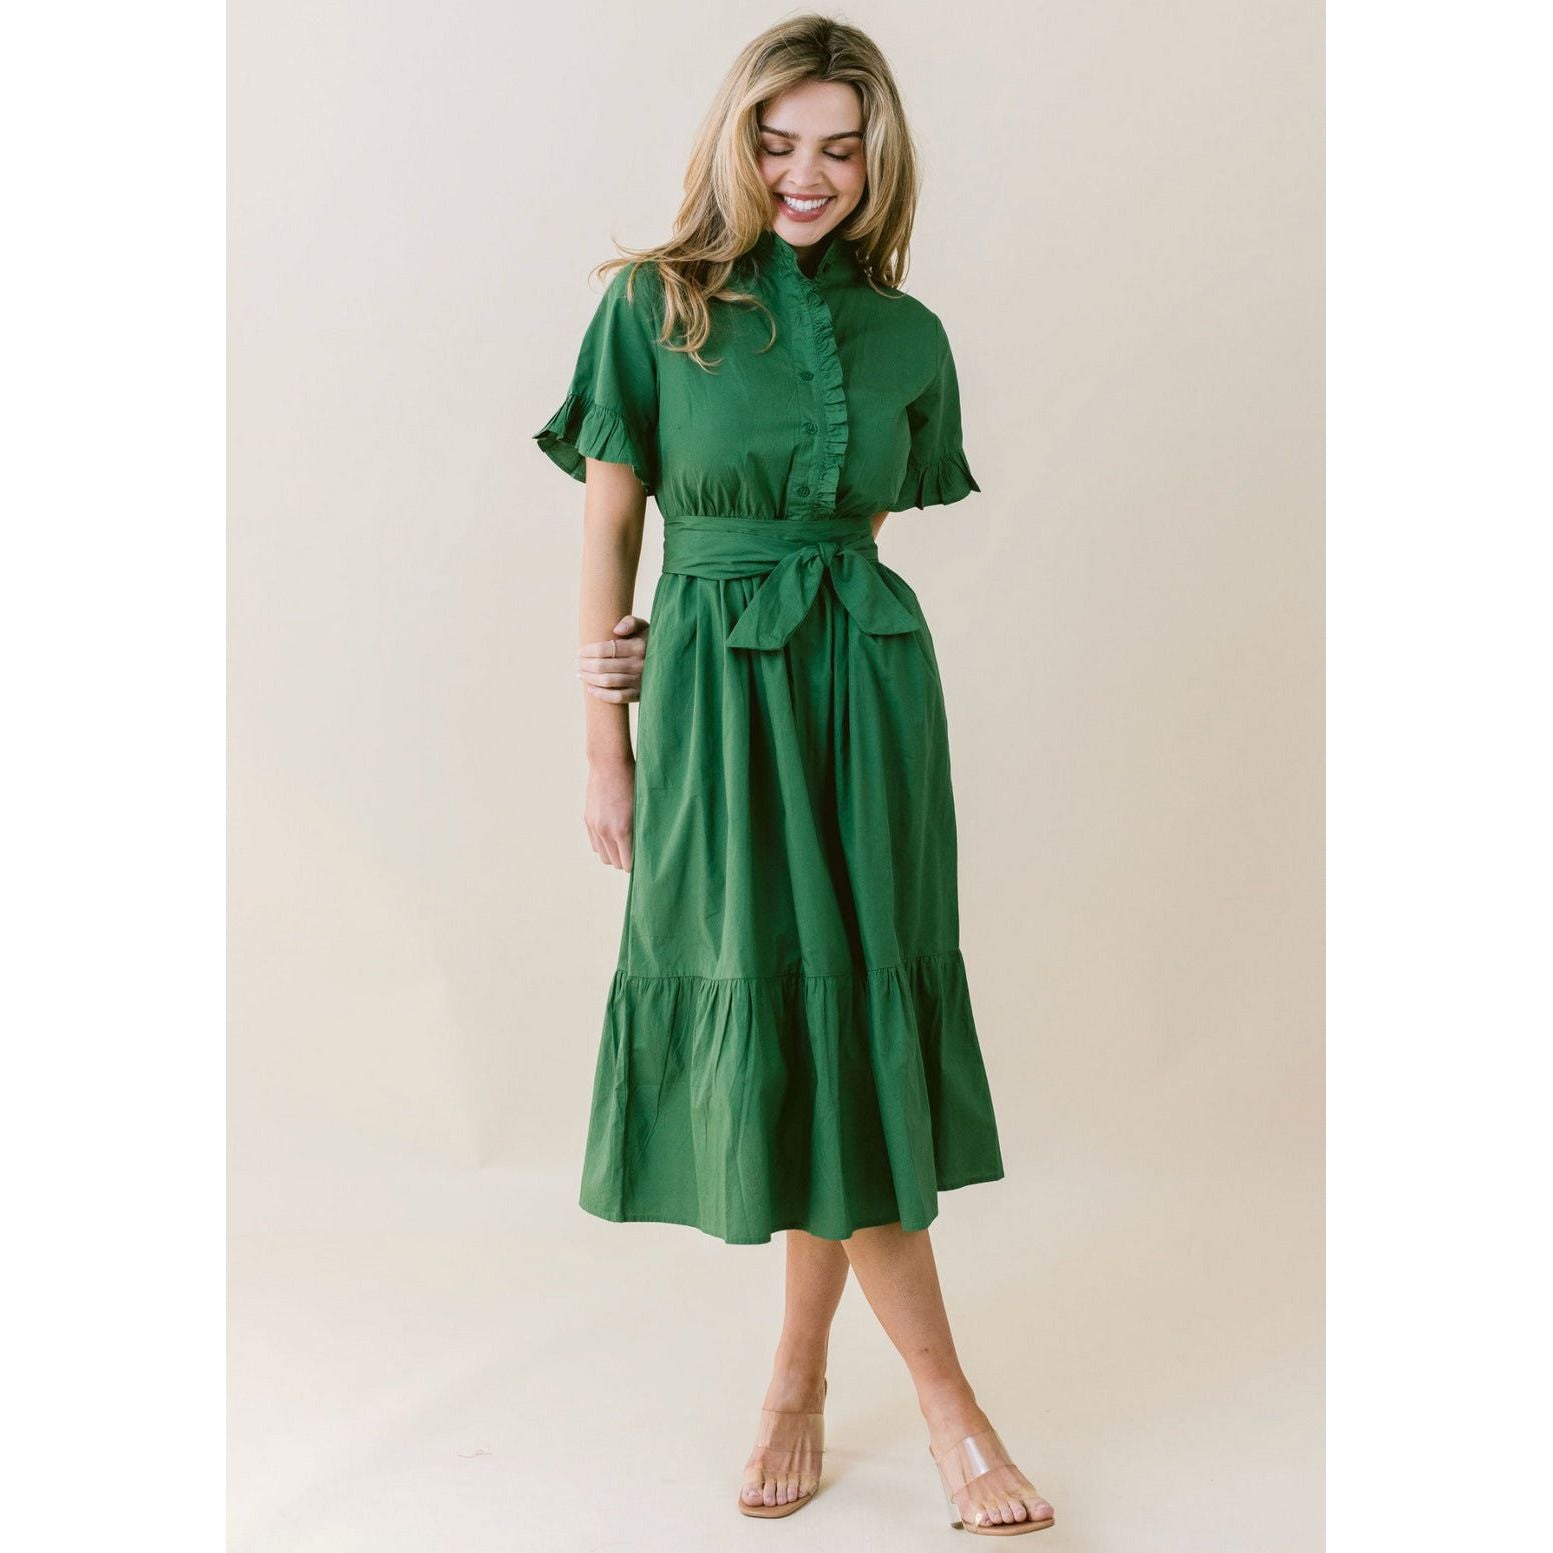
727, 204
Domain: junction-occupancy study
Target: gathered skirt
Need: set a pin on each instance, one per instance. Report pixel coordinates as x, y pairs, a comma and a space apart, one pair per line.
788, 1040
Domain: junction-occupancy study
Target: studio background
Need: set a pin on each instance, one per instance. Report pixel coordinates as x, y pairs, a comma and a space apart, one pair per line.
432, 1346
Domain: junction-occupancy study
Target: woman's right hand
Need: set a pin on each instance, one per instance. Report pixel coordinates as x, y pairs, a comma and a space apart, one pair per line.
608, 809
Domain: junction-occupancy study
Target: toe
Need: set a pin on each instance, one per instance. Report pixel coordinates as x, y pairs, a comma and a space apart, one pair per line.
1040, 1510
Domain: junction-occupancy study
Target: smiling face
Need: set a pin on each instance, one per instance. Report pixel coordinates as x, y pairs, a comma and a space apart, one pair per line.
811, 157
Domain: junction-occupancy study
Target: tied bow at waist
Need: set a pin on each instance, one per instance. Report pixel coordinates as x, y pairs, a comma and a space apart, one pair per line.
797, 553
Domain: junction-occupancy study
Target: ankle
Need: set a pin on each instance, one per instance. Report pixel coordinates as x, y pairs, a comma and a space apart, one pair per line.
949, 1406
800, 1362
797, 1384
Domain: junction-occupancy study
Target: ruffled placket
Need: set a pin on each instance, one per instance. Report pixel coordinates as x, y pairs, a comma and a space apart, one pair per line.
816, 478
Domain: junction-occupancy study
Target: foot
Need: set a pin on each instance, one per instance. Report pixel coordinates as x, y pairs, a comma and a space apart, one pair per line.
1002, 1495
784, 1465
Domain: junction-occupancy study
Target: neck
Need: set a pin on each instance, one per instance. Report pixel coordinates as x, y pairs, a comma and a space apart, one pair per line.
809, 258
830, 251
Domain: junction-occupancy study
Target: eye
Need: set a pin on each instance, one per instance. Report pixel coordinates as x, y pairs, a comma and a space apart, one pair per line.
844, 156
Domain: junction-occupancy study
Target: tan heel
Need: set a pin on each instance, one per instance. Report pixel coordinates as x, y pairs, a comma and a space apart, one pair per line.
791, 1445
972, 1458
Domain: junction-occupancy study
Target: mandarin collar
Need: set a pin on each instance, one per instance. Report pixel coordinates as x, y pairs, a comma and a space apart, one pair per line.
774, 255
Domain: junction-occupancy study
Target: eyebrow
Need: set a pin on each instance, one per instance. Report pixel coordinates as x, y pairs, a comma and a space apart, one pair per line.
787, 134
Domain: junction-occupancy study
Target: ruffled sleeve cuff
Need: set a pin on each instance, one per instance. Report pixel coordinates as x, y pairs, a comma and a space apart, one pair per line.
946, 479
581, 430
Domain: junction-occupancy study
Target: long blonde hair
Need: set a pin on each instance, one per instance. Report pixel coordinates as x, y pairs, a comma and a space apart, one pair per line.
727, 204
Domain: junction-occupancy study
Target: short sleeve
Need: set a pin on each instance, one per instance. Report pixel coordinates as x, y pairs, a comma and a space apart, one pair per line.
610, 411
936, 470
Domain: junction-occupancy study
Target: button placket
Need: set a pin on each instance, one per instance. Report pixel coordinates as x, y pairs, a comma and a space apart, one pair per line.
804, 397
831, 442
823, 422
810, 427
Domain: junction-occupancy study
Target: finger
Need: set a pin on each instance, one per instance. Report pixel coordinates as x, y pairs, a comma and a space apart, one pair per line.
619, 697
613, 679
613, 646
598, 652
629, 623
632, 668
623, 674
620, 841
602, 843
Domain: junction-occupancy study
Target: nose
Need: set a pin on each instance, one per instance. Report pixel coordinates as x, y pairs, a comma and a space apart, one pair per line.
808, 172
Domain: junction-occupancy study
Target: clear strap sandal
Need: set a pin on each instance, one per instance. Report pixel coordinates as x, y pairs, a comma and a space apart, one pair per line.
972, 1458
788, 1444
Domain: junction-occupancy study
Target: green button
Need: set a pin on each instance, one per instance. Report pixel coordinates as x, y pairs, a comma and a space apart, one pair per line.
808, 425
806, 376
803, 490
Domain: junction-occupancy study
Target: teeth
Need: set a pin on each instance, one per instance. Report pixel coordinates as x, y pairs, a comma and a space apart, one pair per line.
805, 205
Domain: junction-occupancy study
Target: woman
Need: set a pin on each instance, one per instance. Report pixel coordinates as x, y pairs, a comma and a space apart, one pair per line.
788, 1042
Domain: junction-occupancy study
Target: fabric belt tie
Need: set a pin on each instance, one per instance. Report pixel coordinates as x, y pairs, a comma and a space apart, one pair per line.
797, 553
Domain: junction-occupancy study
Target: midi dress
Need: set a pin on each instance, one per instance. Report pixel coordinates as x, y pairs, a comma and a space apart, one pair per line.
788, 1039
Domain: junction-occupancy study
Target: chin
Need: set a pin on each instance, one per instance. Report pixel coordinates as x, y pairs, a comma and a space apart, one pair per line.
801, 233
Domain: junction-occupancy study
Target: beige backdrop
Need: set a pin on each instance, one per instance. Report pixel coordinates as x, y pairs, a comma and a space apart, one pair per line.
432, 1346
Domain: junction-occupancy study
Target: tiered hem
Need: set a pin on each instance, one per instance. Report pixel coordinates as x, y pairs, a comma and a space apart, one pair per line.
947, 479
580, 430
746, 1106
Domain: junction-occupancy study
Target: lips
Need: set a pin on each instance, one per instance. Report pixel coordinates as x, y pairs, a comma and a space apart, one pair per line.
805, 209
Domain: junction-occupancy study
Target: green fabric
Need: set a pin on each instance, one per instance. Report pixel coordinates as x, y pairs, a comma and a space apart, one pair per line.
793, 562
788, 1039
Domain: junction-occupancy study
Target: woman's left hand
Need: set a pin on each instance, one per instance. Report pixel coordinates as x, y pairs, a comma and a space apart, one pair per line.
615, 674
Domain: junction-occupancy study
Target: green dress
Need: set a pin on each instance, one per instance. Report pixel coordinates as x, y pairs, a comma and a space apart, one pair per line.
788, 1039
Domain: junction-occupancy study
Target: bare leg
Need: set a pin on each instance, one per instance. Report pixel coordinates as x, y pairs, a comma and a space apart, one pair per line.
899, 1277
816, 1276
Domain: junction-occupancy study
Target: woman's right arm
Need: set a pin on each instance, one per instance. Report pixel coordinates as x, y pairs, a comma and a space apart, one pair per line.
614, 514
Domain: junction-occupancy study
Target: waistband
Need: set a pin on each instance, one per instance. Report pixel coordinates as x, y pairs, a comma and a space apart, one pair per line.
795, 555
